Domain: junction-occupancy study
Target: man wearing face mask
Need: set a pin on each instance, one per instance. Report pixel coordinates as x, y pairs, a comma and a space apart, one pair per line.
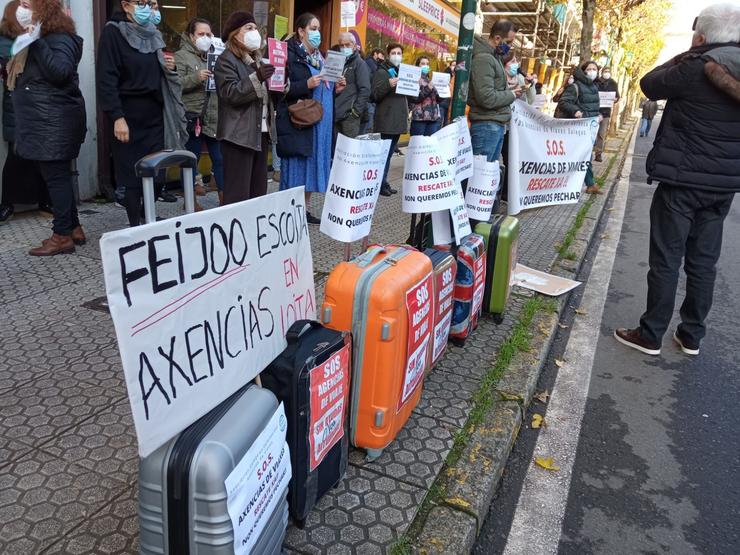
489, 97
350, 104
605, 84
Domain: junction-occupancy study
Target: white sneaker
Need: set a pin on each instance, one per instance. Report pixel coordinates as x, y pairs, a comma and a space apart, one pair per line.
684, 348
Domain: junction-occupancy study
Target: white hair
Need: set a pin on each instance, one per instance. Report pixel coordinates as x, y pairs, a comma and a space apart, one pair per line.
719, 23
350, 36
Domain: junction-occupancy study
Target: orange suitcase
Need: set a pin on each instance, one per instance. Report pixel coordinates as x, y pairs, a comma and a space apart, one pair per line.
385, 298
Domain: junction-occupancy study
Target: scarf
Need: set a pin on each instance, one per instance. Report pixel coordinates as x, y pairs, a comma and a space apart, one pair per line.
144, 38
15, 67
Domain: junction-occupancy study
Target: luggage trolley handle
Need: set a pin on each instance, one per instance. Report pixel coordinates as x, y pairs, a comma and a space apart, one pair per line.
298, 328
148, 167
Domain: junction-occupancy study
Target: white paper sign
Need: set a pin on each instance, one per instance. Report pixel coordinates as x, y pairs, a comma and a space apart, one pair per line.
457, 135
25, 40
544, 283
607, 99
460, 219
408, 80
482, 188
333, 66
540, 101
548, 158
441, 231
354, 183
348, 14
429, 175
259, 483
261, 12
202, 303
441, 82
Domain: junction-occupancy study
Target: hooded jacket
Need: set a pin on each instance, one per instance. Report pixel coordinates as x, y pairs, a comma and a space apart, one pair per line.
698, 141
583, 97
489, 97
47, 102
6, 44
357, 92
189, 62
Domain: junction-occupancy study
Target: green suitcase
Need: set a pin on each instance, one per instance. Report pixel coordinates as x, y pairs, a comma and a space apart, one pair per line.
501, 237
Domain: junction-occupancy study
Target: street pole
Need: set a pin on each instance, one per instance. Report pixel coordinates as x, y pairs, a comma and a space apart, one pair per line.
464, 57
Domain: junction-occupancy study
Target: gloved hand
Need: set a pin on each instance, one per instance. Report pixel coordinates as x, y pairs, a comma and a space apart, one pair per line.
264, 72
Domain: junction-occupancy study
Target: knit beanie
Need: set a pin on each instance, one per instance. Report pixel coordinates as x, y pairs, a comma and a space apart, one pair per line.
234, 22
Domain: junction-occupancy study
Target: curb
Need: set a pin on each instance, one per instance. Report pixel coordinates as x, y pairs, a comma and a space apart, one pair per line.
452, 526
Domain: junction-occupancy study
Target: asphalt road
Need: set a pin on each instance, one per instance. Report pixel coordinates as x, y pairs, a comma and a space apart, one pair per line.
656, 462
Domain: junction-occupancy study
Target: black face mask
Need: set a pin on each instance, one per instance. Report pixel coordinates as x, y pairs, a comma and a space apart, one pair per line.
503, 49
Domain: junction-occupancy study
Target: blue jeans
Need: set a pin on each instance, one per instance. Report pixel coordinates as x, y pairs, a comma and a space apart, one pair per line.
394, 142
487, 139
195, 145
425, 128
645, 126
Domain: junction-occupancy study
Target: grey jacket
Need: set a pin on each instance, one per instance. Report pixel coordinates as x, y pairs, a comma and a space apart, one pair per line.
489, 98
241, 96
357, 92
189, 62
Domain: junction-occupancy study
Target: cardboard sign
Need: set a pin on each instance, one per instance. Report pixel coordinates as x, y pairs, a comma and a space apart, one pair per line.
419, 305
277, 52
280, 26
441, 82
542, 282
347, 14
482, 189
607, 99
333, 67
429, 176
408, 80
211, 59
329, 385
253, 488
354, 184
548, 158
201, 304
444, 287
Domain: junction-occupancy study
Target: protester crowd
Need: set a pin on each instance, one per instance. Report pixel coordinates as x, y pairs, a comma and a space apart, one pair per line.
154, 100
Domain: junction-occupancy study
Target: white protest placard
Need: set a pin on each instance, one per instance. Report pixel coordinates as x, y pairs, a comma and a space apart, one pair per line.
457, 136
258, 483
26, 39
354, 183
277, 52
201, 304
542, 282
347, 15
460, 219
441, 82
333, 67
408, 80
482, 189
607, 99
548, 158
540, 101
429, 175
261, 12
441, 231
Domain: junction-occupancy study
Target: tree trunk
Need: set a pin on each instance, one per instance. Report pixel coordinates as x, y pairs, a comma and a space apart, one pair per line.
587, 34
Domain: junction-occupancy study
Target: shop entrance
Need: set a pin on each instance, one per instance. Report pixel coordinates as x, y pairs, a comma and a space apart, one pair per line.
323, 10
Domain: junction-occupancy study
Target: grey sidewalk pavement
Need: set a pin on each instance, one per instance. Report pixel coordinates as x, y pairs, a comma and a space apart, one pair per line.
68, 456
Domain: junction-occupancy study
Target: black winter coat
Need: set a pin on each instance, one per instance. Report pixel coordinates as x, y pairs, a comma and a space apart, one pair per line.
698, 141
391, 109
8, 117
357, 92
607, 85
48, 104
292, 141
583, 97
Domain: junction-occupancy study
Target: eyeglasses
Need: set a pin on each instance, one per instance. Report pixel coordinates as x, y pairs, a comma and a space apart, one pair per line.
141, 3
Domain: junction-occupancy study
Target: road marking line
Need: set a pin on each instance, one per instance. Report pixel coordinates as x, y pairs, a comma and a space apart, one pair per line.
540, 510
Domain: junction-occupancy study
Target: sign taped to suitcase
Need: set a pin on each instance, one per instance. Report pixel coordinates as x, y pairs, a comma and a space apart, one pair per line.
419, 305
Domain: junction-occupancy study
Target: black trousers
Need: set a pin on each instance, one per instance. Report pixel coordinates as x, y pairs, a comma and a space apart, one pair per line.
58, 178
685, 224
245, 171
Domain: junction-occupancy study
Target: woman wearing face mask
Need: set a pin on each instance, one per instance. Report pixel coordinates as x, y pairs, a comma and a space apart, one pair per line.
391, 109
245, 109
515, 79
139, 90
581, 100
201, 105
426, 115
305, 153
50, 113
30, 189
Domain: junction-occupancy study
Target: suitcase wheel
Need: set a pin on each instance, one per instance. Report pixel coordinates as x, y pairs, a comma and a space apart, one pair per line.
300, 523
373, 454
457, 342
498, 318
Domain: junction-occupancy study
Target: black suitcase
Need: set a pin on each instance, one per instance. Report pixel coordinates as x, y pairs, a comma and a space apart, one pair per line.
317, 360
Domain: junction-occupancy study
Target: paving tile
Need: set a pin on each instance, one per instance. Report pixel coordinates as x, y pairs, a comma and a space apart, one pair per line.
44, 497
18, 284
63, 269
416, 455
447, 397
367, 513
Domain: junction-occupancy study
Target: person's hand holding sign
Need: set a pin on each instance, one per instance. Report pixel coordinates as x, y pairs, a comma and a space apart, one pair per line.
578, 114
393, 81
204, 74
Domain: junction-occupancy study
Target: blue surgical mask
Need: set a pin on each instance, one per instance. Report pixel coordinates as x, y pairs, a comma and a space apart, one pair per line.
314, 38
513, 69
347, 51
425, 70
156, 17
142, 14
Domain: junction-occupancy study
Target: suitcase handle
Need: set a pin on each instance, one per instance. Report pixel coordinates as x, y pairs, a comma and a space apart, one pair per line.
366, 258
298, 328
148, 167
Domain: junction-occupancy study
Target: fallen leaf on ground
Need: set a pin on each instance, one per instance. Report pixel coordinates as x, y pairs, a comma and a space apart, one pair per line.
542, 397
509, 396
547, 464
538, 421
562, 326
610, 209
580, 311
559, 363
605, 236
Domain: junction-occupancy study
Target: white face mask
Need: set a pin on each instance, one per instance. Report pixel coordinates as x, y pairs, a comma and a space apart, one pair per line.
204, 43
396, 59
592, 74
252, 40
24, 16
607, 76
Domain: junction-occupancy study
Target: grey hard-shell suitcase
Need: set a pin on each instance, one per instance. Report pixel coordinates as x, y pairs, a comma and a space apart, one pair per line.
182, 495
